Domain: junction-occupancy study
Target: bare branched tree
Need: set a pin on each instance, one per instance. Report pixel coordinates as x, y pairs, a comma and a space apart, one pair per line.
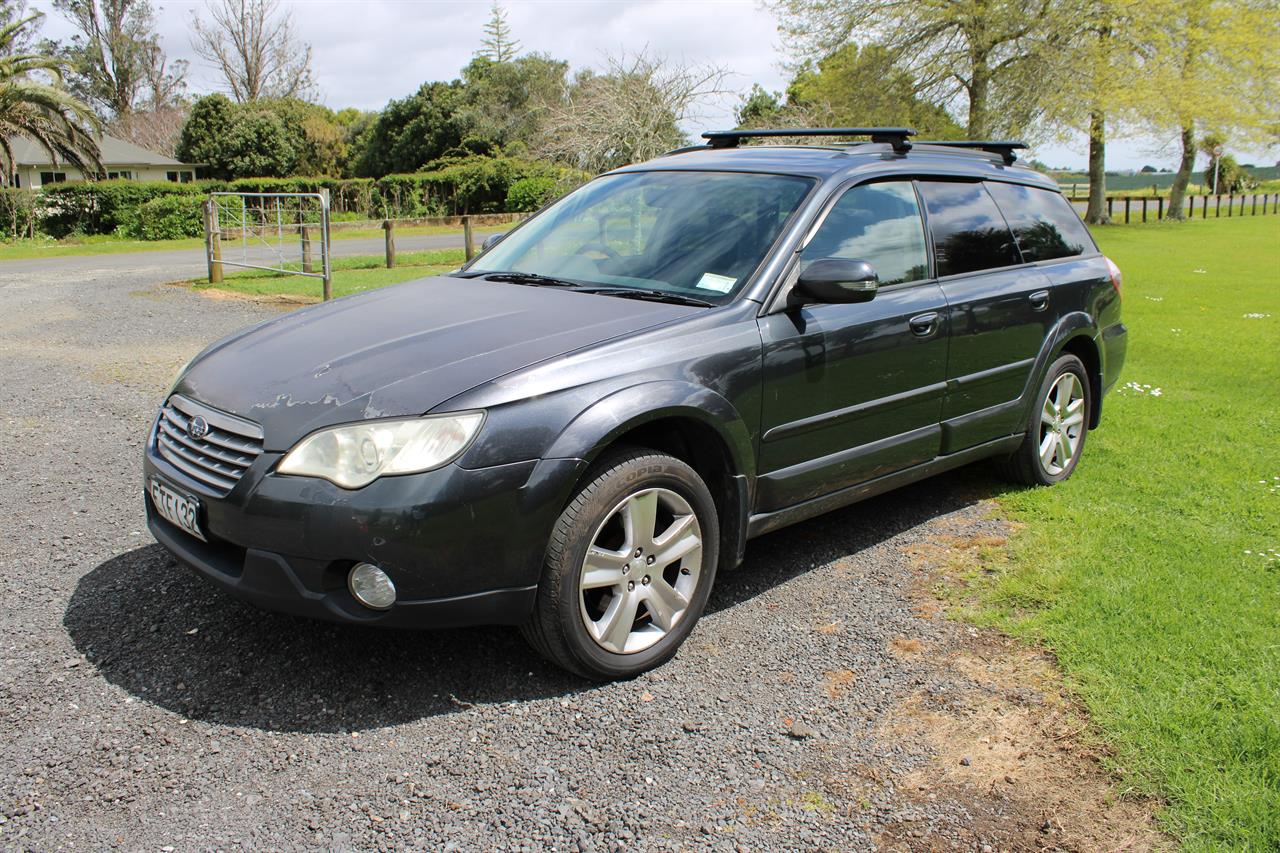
253, 44
116, 59
631, 112
155, 129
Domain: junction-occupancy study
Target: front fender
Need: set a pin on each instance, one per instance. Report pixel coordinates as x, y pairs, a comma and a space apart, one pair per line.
600, 424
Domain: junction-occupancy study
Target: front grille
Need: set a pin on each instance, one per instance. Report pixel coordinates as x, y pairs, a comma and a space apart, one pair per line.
218, 458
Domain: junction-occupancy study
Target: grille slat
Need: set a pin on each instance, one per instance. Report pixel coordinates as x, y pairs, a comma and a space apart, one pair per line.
216, 460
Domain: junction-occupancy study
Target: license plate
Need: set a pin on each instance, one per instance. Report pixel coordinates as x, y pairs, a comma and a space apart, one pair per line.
178, 509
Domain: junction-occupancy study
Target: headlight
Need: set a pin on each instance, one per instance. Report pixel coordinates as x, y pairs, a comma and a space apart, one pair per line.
356, 455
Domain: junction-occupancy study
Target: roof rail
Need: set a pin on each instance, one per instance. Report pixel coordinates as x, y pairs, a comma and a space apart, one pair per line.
895, 136
991, 146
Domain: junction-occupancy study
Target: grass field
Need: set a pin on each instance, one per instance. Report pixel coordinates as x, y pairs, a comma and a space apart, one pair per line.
1154, 573
350, 275
106, 244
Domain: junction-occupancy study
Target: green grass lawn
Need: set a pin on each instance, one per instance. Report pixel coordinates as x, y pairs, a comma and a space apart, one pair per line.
350, 275
1154, 573
106, 244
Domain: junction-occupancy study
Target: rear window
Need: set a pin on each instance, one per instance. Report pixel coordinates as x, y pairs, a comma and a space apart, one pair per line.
968, 231
1042, 221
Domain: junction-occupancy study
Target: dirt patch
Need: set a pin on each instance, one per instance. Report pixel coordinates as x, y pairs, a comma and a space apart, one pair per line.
1008, 743
280, 300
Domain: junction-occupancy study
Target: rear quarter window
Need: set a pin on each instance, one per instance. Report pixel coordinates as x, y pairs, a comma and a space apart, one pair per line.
1042, 221
969, 234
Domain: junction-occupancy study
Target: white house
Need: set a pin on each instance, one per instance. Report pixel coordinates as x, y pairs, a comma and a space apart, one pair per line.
33, 167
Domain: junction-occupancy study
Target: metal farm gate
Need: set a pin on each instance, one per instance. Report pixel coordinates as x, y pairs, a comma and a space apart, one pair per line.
286, 233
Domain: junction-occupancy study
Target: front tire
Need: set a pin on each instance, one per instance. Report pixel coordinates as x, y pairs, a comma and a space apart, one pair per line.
1057, 428
629, 567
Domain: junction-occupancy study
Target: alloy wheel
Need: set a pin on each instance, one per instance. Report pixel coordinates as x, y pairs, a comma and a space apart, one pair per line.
1062, 424
640, 571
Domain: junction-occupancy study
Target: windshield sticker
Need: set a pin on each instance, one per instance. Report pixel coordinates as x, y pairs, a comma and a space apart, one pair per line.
718, 283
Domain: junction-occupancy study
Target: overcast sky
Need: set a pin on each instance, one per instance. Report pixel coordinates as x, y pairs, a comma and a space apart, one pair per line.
366, 53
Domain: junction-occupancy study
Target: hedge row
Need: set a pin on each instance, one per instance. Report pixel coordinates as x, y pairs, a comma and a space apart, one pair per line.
153, 211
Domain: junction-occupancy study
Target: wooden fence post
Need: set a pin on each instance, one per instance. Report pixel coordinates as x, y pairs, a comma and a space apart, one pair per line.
1127, 199
1217, 206
1253, 209
306, 250
468, 243
1144, 208
390, 227
213, 238
1109, 201
1204, 208
1159, 208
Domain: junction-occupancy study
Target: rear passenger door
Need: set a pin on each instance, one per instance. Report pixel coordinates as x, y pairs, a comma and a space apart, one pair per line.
1000, 312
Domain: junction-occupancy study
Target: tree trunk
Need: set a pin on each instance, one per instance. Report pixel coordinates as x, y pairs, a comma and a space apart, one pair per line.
979, 89
1096, 214
1178, 192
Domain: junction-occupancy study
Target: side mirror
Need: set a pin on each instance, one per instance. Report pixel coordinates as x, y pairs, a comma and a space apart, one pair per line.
490, 240
837, 280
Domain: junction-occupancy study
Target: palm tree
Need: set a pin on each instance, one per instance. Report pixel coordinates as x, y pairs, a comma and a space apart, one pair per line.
43, 112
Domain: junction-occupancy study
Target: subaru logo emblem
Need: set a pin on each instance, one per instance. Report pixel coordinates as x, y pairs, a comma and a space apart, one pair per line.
197, 427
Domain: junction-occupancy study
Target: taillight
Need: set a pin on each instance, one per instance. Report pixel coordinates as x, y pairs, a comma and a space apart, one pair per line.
1117, 278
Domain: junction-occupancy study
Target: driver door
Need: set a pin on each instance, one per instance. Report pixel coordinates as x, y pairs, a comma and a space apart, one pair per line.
854, 391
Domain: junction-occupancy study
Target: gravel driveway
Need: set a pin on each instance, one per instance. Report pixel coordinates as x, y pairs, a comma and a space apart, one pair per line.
141, 709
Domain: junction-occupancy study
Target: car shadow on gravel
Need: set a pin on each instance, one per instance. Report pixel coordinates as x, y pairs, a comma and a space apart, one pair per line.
164, 635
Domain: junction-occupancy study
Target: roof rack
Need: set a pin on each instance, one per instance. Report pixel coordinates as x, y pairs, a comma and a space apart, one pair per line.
895, 136
991, 146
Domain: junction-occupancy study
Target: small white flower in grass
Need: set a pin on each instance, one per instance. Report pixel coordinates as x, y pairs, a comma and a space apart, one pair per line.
1254, 315
1176, 331
1201, 272
1154, 298
1140, 388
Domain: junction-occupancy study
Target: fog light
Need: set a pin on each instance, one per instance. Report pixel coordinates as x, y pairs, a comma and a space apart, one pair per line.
371, 586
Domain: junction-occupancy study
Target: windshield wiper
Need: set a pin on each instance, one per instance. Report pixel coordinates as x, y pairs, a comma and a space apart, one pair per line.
531, 278
651, 295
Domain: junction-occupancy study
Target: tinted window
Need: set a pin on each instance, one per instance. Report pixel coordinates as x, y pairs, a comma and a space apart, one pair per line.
877, 223
701, 233
1042, 221
968, 231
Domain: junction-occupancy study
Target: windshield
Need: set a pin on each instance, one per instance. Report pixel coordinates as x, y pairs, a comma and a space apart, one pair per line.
696, 234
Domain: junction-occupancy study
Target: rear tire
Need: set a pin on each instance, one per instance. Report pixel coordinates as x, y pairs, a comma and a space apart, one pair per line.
1056, 428
628, 569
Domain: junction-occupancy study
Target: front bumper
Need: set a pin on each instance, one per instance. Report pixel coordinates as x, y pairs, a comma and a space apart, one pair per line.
463, 546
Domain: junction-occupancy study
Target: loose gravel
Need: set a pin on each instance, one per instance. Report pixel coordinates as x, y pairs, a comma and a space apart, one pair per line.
142, 709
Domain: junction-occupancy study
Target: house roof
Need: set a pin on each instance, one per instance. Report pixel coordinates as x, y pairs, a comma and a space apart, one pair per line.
114, 152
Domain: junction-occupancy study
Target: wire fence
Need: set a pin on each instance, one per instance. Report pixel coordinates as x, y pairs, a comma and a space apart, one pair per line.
285, 233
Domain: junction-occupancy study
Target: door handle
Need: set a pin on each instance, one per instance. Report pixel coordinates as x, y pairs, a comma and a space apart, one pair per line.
1039, 300
924, 325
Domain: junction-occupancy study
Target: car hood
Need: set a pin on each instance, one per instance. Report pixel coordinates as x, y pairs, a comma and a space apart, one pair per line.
399, 351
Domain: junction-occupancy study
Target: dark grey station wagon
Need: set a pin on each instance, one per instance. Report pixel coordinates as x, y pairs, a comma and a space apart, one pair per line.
578, 429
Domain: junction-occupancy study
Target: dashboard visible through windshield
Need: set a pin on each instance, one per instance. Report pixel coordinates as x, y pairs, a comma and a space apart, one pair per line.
697, 235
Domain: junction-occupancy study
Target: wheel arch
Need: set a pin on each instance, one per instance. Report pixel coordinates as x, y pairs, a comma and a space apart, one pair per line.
693, 424
1083, 346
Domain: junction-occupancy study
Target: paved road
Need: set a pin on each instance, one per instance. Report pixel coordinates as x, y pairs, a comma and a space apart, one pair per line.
190, 263
142, 709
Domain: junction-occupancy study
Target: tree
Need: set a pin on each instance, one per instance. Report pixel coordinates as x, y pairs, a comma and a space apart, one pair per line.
631, 112
253, 45
118, 65
498, 44
760, 108
866, 87
503, 102
257, 145
413, 131
56, 120
201, 137
1212, 64
996, 57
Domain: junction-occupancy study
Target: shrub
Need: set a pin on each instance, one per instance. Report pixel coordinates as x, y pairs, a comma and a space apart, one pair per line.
530, 193
18, 213
168, 217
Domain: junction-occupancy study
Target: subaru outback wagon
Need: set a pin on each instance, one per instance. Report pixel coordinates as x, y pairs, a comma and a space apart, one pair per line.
579, 428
